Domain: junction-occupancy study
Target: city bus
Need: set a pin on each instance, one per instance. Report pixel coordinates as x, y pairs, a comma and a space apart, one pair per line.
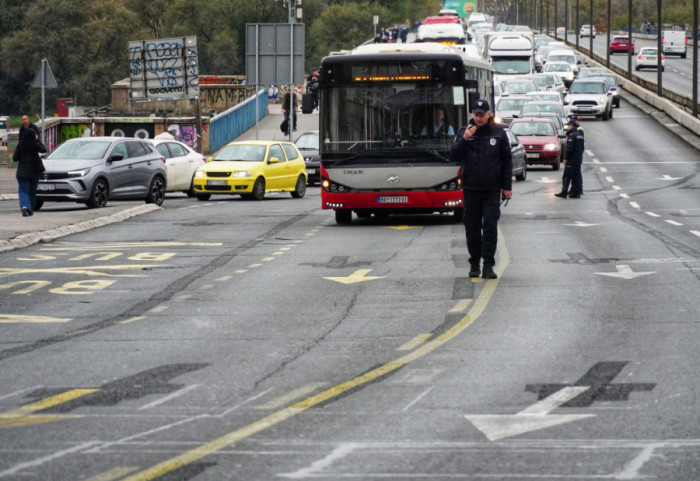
383, 148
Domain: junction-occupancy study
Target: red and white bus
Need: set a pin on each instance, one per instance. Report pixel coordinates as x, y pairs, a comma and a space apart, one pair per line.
383, 148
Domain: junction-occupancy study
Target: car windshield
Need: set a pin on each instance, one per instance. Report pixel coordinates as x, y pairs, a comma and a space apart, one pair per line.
241, 153
308, 141
81, 149
511, 104
535, 129
587, 88
591, 72
519, 87
537, 107
558, 67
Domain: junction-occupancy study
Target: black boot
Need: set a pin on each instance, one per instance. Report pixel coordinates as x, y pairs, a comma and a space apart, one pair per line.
474, 270
561, 195
489, 273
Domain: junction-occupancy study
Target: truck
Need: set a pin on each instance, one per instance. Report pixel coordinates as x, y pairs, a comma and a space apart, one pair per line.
673, 42
509, 53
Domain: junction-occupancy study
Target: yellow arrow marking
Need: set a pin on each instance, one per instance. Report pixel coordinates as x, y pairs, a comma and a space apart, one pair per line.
357, 276
403, 227
19, 319
22, 416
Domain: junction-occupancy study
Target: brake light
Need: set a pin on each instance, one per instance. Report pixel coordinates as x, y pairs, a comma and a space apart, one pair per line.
639, 57
662, 57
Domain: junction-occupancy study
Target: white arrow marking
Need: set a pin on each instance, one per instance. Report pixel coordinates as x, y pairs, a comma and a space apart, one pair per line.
357, 276
624, 272
579, 223
668, 178
533, 418
546, 180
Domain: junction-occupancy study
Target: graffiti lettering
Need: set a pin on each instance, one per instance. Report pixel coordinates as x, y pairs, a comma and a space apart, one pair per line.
165, 90
72, 131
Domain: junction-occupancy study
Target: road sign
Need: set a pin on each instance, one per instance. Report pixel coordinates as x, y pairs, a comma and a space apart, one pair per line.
275, 53
44, 77
164, 69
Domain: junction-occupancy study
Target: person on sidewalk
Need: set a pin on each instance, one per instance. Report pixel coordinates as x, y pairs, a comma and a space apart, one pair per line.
573, 158
483, 152
285, 111
29, 168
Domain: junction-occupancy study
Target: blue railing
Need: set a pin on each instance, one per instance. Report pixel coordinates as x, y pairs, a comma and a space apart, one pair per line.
227, 126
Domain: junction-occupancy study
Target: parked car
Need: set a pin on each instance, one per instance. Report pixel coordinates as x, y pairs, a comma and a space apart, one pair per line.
181, 161
587, 31
590, 97
251, 169
540, 139
648, 57
621, 43
307, 143
93, 170
517, 152
563, 69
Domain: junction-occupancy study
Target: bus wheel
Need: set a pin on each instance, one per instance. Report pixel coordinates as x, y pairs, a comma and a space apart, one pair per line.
458, 214
343, 216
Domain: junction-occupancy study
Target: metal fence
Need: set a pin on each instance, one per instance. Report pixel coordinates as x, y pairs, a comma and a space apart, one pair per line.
228, 125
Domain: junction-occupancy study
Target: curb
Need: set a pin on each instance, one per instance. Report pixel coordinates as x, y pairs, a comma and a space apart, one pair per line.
50, 235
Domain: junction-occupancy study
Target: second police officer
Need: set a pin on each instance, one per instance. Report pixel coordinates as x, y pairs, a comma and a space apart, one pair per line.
573, 159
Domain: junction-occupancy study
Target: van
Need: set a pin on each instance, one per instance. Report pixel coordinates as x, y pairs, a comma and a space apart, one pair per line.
673, 42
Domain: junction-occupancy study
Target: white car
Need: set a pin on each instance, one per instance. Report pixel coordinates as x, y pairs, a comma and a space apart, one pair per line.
586, 31
181, 161
563, 69
590, 97
648, 57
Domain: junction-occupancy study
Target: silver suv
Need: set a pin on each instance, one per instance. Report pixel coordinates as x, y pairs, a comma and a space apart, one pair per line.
590, 97
92, 170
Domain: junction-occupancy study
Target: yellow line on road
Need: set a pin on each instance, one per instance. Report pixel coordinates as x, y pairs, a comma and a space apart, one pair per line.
413, 343
224, 278
160, 308
461, 306
114, 473
22, 415
17, 318
131, 319
273, 419
291, 396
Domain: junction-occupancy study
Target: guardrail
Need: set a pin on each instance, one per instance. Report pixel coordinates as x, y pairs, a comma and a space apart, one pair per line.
235, 121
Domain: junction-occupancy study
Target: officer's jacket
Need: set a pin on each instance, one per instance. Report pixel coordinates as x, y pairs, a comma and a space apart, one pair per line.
485, 158
574, 147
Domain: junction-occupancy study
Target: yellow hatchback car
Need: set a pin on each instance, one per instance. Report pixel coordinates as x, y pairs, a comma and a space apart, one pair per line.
251, 169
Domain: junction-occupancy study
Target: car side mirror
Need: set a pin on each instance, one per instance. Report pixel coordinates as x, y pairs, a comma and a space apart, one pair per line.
116, 157
273, 160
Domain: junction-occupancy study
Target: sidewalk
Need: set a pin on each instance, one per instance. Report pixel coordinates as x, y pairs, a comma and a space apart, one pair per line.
58, 219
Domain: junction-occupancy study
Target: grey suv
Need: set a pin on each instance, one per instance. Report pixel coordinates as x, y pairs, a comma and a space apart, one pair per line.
95, 169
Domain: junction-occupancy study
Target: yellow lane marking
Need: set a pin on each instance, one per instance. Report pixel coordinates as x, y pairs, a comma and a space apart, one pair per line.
160, 308
76, 332
285, 248
88, 271
413, 343
224, 278
128, 245
477, 280
357, 276
114, 473
241, 271
461, 306
182, 297
275, 418
37, 257
268, 259
19, 319
291, 396
131, 319
278, 253
253, 266
22, 415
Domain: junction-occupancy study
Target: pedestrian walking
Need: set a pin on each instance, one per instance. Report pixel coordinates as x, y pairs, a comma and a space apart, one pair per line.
286, 106
483, 151
573, 158
26, 124
29, 168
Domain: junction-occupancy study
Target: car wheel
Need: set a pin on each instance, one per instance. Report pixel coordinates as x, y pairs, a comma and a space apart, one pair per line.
555, 166
190, 192
259, 189
523, 174
99, 194
38, 205
617, 103
300, 188
203, 196
663, 69
156, 191
605, 115
636, 67
611, 112
343, 216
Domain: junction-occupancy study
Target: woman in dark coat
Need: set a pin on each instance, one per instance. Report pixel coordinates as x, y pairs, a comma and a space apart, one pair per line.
29, 168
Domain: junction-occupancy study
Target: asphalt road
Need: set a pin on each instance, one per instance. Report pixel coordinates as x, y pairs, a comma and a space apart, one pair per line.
244, 340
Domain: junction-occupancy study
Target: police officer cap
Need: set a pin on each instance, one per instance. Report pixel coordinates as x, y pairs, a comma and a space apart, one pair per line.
571, 122
573, 117
480, 106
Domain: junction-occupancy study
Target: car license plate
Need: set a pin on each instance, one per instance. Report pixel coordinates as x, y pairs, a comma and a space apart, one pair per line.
532, 156
46, 187
393, 199
310, 171
216, 182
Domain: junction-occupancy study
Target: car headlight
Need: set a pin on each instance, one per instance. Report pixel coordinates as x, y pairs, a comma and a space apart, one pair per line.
498, 120
567, 99
78, 173
602, 100
241, 173
551, 147
200, 173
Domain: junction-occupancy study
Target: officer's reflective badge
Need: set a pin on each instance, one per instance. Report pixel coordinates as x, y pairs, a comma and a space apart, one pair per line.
493, 141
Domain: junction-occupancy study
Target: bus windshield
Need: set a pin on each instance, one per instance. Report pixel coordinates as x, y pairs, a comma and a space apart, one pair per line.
511, 65
393, 119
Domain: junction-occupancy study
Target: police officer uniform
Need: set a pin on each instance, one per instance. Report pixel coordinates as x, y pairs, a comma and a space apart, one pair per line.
486, 170
574, 158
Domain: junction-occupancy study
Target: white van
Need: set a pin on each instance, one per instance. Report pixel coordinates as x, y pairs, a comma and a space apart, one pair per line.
673, 42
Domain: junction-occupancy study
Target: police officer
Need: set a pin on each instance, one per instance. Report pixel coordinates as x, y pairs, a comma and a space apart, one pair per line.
483, 151
573, 159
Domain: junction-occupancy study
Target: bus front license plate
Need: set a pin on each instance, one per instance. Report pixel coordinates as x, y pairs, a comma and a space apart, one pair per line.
393, 199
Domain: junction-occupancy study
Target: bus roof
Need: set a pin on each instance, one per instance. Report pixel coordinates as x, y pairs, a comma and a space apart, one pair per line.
429, 48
